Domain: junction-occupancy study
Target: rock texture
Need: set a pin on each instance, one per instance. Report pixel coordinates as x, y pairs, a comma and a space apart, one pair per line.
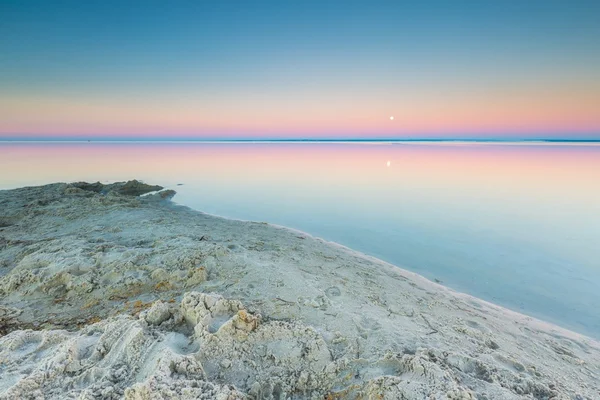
107, 295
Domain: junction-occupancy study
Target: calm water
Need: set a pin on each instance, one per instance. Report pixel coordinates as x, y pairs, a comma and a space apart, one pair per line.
518, 225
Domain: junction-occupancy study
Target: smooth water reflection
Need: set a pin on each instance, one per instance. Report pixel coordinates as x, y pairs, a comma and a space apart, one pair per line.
518, 225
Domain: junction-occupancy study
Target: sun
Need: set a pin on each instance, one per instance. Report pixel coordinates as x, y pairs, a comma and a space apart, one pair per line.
392, 118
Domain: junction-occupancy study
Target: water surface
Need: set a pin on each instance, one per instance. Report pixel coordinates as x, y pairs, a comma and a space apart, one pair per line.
515, 224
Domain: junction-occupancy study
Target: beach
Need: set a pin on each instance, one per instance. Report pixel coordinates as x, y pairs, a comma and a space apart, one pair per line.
109, 292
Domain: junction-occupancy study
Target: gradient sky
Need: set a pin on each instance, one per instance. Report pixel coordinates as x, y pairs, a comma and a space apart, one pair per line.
306, 69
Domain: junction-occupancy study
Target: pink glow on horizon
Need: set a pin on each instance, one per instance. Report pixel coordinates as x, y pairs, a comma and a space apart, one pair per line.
512, 114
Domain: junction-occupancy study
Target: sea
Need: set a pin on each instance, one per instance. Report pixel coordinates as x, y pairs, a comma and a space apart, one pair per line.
516, 224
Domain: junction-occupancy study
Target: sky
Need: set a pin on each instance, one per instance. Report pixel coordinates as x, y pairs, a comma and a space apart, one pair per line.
307, 69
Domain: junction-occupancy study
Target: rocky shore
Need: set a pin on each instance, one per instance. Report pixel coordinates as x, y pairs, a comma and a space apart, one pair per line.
113, 291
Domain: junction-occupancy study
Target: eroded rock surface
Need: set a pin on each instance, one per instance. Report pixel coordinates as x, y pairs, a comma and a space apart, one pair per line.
129, 188
206, 346
104, 294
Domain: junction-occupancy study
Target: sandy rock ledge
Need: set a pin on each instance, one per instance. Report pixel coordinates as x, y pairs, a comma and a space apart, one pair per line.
112, 292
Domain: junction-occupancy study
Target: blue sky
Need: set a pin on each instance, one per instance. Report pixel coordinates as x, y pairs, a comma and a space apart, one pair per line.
305, 69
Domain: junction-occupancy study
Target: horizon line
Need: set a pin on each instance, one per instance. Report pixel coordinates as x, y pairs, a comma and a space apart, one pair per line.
303, 140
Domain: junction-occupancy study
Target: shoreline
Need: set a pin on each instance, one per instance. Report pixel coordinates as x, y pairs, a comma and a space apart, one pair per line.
549, 325
218, 293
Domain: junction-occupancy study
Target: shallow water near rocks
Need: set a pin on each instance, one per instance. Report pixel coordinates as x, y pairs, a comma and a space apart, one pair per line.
514, 224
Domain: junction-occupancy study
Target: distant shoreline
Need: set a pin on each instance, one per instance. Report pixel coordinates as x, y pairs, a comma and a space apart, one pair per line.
335, 141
